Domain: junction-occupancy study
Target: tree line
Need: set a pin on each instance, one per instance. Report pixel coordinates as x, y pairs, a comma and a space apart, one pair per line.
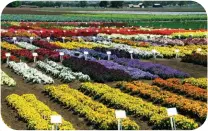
104, 4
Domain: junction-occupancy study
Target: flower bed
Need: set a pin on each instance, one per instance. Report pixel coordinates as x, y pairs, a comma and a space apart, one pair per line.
8, 46
30, 74
4, 58
200, 82
196, 58
175, 85
26, 45
95, 112
95, 70
166, 98
157, 69
6, 80
45, 44
156, 115
35, 113
61, 72
196, 34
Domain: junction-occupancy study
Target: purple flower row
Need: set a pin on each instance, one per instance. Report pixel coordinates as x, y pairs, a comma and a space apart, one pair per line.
135, 73
157, 69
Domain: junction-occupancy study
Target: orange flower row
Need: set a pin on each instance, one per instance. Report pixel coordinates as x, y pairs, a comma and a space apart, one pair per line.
175, 85
157, 95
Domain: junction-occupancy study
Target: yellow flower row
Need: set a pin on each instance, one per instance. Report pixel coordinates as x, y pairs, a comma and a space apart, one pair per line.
94, 112
76, 45
200, 82
169, 52
8, 46
34, 112
190, 34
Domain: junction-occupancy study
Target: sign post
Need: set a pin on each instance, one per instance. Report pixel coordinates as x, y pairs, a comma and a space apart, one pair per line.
154, 53
8, 56
85, 54
63, 38
120, 114
131, 54
56, 119
61, 56
48, 38
177, 51
108, 53
31, 40
171, 113
34, 56
14, 39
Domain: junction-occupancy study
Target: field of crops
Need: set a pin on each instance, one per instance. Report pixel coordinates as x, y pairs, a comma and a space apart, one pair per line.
85, 66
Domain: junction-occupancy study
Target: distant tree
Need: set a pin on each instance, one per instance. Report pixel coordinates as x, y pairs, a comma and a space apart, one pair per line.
103, 3
117, 4
181, 3
82, 3
14, 4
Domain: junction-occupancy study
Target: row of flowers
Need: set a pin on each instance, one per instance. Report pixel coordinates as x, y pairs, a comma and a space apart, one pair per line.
34, 112
175, 85
132, 43
157, 69
197, 34
156, 115
96, 113
196, 58
166, 98
26, 45
200, 82
61, 72
95, 70
7, 46
4, 58
6, 80
29, 74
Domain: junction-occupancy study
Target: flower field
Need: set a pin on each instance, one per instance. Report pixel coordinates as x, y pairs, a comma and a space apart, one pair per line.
84, 67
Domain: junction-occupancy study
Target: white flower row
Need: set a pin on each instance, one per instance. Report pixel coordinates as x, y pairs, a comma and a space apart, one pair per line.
137, 37
127, 48
30, 74
5, 79
27, 45
61, 72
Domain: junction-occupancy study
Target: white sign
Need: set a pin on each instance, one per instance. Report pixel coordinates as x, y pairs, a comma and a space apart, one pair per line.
108, 52
63, 37
35, 54
172, 111
31, 38
61, 53
56, 119
93, 37
154, 51
177, 50
199, 49
120, 114
7, 54
14, 38
48, 38
86, 52
130, 51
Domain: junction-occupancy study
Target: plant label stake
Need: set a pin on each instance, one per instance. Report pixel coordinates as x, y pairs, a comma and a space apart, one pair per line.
94, 38
61, 56
154, 53
8, 56
120, 114
31, 39
171, 113
108, 53
131, 54
63, 38
56, 119
34, 56
48, 38
85, 54
177, 51
14, 39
